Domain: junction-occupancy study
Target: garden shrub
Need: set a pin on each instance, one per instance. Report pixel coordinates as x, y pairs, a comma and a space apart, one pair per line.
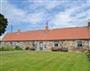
27, 48
88, 54
60, 49
7, 48
18, 48
33, 49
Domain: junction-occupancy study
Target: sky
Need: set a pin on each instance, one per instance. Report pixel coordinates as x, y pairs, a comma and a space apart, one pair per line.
26, 15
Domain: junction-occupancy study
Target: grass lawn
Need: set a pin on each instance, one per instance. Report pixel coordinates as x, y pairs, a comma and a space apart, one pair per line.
43, 61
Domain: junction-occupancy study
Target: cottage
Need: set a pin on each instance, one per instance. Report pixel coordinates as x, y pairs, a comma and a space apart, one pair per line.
71, 38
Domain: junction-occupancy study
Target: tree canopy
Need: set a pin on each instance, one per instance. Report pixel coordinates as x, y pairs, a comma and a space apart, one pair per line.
3, 24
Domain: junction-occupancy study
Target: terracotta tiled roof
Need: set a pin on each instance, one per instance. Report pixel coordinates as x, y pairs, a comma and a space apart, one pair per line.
55, 34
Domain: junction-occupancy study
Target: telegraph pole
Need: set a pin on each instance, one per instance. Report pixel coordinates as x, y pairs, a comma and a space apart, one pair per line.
11, 28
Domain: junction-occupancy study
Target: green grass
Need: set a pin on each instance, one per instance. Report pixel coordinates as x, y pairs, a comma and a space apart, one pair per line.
43, 61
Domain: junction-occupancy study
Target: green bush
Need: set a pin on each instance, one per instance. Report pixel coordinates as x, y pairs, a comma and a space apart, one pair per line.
10, 48
88, 54
18, 48
7, 48
27, 48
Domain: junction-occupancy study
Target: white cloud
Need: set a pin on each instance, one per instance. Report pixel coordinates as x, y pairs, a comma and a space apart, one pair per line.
65, 18
46, 3
40, 13
11, 12
61, 18
34, 18
53, 4
18, 15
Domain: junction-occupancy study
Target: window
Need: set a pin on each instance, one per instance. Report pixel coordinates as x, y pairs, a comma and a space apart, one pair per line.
79, 44
13, 43
56, 43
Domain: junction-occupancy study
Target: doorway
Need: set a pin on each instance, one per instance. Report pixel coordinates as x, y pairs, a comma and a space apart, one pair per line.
42, 46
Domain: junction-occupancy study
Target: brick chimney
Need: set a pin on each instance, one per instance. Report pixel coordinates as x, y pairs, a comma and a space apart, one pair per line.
18, 31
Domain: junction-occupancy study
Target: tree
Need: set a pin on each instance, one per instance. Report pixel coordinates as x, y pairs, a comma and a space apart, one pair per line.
3, 24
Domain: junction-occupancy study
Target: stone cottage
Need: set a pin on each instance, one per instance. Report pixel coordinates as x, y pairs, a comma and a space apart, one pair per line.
71, 38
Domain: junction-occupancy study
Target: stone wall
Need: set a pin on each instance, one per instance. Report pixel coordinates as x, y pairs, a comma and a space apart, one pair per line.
47, 45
